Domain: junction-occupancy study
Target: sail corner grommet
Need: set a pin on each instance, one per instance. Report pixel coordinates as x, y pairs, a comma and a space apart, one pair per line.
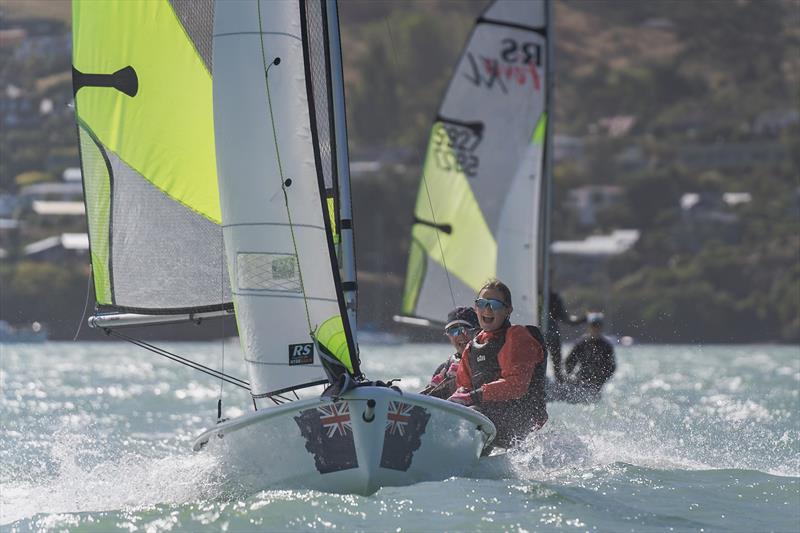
369, 412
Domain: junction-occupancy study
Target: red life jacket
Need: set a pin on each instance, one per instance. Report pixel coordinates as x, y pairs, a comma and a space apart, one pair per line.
485, 368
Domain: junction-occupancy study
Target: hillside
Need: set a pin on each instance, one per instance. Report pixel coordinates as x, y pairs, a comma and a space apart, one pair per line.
665, 98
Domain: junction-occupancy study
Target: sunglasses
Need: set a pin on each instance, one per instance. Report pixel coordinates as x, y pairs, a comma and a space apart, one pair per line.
483, 303
455, 331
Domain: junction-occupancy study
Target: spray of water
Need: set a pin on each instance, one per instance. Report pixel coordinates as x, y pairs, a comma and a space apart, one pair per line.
91, 474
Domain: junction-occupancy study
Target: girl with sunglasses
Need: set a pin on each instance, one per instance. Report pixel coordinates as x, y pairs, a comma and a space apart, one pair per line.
502, 370
461, 327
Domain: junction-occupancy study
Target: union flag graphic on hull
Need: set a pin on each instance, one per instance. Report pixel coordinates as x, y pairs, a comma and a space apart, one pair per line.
329, 436
405, 425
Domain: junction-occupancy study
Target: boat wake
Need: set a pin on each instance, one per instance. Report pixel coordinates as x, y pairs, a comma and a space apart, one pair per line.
83, 474
545, 454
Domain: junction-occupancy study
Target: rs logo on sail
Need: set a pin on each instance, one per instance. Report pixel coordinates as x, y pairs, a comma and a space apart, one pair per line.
301, 354
518, 63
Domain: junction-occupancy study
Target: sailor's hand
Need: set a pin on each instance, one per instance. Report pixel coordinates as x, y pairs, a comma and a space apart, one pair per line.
438, 378
462, 396
453, 370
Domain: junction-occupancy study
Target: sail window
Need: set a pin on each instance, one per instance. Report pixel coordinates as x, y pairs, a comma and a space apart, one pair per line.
267, 272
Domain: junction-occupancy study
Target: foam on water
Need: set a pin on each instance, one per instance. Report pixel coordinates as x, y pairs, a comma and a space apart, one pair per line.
92, 476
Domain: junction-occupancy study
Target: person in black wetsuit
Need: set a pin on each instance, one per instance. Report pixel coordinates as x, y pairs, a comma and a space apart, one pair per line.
461, 327
590, 364
552, 338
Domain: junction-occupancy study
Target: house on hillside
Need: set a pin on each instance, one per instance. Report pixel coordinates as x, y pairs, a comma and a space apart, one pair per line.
616, 126
53, 191
586, 201
568, 148
17, 109
59, 248
586, 261
72, 175
775, 121
707, 217
10, 37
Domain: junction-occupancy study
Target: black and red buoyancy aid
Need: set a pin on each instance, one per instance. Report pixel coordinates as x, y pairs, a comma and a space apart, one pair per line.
485, 368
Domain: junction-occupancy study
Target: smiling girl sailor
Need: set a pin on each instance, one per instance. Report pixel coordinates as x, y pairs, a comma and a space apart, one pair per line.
502, 371
462, 325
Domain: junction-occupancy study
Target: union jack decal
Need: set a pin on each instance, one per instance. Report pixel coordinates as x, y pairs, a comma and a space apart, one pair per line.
405, 425
397, 418
335, 417
328, 433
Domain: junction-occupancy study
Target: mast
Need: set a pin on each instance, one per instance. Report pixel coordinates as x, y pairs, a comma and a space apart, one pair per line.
349, 284
547, 182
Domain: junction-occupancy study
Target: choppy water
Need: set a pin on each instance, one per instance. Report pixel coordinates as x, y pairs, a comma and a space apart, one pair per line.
97, 437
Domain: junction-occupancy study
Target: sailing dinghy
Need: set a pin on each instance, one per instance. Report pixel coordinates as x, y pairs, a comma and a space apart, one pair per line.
479, 211
219, 128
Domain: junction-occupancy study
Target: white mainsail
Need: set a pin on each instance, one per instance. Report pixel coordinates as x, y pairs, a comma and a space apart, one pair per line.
276, 154
478, 207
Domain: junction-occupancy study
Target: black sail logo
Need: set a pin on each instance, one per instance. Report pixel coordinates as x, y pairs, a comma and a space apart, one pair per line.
125, 80
454, 143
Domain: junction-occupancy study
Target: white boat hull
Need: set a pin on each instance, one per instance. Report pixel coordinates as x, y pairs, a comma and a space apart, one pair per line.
335, 447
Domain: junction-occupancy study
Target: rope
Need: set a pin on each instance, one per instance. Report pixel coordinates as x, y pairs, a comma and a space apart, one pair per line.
222, 324
85, 305
179, 359
439, 241
276, 61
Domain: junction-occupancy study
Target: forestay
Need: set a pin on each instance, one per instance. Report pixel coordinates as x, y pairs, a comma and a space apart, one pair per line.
478, 206
276, 154
142, 84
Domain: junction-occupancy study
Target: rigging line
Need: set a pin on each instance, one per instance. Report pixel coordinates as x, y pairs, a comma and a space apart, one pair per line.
86, 304
179, 359
276, 62
439, 241
222, 322
187, 362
